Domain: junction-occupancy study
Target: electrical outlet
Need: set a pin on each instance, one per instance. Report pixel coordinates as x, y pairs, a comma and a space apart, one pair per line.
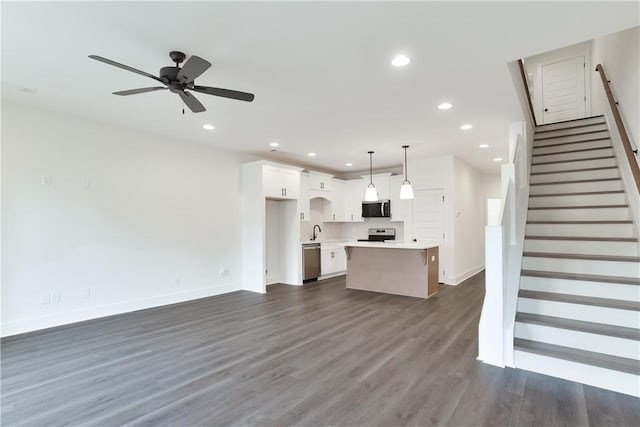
45, 180
224, 271
54, 297
85, 292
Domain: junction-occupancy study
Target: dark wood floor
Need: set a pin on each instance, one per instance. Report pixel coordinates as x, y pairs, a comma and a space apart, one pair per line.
312, 356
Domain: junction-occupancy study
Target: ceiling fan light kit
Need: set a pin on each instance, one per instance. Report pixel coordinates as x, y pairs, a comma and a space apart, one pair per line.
179, 80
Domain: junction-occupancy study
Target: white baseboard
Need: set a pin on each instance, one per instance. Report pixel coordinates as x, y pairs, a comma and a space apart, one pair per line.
79, 315
464, 276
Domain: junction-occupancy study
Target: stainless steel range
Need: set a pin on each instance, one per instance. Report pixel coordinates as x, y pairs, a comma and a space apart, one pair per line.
380, 235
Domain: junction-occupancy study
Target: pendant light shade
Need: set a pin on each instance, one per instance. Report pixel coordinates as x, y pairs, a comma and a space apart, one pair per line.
371, 195
406, 191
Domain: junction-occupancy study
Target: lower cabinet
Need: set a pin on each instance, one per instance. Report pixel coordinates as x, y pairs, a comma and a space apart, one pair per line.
333, 258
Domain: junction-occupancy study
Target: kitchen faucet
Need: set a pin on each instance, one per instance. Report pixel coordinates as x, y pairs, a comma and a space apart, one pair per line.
314, 237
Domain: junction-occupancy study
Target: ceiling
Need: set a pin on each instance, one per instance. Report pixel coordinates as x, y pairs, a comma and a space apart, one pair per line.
320, 71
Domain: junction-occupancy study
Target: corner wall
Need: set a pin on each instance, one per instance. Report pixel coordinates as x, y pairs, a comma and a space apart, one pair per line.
129, 221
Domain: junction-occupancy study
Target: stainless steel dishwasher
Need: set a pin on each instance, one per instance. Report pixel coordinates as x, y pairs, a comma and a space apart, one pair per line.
311, 261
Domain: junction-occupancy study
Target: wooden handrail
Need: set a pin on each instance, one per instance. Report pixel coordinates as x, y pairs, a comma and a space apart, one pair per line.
526, 89
626, 142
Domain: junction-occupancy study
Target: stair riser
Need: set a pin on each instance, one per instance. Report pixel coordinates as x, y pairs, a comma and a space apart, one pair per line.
573, 176
582, 247
620, 382
569, 124
572, 138
581, 164
601, 214
576, 187
580, 230
572, 131
582, 266
586, 313
573, 156
581, 287
603, 143
613, 346
579, 200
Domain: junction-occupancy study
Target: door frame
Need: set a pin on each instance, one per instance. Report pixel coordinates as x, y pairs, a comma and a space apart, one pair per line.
537, 84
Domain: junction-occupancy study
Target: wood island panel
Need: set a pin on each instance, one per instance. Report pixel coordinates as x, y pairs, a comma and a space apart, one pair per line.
393, 271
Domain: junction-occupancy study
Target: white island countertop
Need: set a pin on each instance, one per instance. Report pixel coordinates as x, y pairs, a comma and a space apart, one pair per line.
393, 245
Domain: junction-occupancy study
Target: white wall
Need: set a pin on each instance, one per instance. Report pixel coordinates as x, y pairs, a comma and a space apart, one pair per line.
159, 224
619, 54
470, 194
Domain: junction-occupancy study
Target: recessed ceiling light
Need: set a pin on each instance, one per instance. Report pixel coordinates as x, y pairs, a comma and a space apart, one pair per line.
483, 145
274, 144
400, 61
497, 159
348, 164
311, 154
209, 127
444, 106
466, 126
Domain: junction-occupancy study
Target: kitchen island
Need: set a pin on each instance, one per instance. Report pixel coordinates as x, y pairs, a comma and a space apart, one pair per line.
409, 269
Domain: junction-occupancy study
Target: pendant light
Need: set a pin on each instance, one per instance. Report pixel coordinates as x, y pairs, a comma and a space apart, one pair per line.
406, 191
371, 194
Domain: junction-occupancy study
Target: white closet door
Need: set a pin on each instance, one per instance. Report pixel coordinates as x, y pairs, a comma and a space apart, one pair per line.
563, 90
428, 219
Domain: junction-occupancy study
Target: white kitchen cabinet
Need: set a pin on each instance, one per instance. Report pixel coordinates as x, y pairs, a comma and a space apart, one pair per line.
280, 183
320, 181
400, 209
304, 208
333, 258
382, 182
352, 200
335, 210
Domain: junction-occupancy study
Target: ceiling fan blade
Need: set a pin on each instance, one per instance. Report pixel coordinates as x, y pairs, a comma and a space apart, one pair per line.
124, 67
226, 93
191, 101
192, 69
141, 90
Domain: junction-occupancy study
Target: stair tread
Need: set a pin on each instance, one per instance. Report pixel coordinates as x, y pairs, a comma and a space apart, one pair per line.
584, 277
572, 151
573, 160
580, 299
578, 193
592, 358
578, 207
626, 221
572, 142
573, 134
595, 239
580, 125
580, 325
582, 256
576, 170
571, 121
576, 181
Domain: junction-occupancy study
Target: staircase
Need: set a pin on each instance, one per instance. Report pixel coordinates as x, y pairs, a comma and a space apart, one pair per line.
578, 314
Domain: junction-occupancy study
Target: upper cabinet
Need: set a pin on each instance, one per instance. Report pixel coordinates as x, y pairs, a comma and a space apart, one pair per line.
334, 209
320, 181
353, 196
304, 208
280, 182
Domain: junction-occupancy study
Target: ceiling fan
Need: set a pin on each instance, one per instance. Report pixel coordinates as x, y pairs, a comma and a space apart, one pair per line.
180, 80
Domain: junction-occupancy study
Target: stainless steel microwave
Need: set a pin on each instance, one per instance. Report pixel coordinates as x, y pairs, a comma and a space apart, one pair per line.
379, 209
